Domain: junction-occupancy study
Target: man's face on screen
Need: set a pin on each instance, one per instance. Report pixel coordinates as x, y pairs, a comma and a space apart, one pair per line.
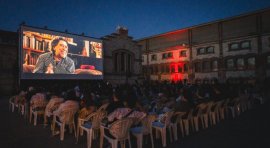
61, 49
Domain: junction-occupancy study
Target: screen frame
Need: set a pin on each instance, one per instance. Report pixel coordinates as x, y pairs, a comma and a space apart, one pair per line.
41, 76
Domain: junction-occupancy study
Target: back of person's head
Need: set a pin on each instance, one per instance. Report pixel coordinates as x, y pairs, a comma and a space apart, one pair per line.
117, 96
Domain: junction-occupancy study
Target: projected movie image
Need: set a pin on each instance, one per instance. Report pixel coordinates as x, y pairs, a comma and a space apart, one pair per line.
49, 53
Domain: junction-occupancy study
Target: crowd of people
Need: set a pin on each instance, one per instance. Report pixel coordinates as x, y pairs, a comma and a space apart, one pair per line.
146, 96
137, 99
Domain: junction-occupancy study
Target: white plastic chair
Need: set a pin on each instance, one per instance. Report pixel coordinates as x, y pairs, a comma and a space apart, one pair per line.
120, 132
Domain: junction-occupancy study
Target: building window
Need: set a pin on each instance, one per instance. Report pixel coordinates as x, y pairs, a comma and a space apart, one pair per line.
269, 41
151, 70
234, 46
198, 67
167, 55
251, 62
215, 65
170, 55
180, 69
230, 64
155, 69
268, 60
183, 53
116, 62
210, 49
167, 68
245, 45
153, 57
200, 51
240, 63
240, 46
205, 50
123, 62
185, 68
172, 69
206, 66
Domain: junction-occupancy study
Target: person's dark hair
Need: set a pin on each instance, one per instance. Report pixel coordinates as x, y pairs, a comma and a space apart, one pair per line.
117, 94
55, 42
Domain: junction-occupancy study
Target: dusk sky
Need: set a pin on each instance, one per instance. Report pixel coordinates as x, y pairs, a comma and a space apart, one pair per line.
98, 18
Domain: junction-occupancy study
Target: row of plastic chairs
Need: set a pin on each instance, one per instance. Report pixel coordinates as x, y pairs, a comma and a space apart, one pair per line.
211, 112
203, 113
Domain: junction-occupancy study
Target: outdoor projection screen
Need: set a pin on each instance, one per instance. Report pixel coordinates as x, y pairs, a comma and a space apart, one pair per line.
46, 54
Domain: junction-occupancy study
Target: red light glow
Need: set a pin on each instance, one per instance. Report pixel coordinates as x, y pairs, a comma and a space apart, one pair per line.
178, 69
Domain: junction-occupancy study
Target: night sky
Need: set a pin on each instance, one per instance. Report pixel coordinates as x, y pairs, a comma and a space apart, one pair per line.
101, 17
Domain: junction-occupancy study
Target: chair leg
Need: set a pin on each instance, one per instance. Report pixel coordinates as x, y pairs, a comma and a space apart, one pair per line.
30, 116
35, 119
222, 114
213, 118
122, 143
206, 121
89, 138
186, 125
74, 128
171, 133
152, 140
62, 131
181, 128
129, 142
217, 116
163, 136
157, 134
174, 126
139, 140
196, 123
12, 107
114, 144
233, 113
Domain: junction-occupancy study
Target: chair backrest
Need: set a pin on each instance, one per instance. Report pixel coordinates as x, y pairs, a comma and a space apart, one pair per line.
52, 104
166, 118
179, 115
38, 100
11, 99
120, 128
67, 111
190, 113
96, 118
67, 115
209, 106
137, 116
147, 123
201, 108
217, 105
103, 107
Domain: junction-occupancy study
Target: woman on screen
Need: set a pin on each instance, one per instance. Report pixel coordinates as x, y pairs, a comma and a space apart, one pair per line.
56, 61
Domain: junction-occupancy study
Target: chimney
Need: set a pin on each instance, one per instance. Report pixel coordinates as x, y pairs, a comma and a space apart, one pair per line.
122, 30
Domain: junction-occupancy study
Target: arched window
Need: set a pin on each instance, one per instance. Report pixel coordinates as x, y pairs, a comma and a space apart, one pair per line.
123, 61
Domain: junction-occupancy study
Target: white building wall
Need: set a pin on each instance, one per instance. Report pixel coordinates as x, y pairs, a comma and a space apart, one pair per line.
208, 75
244, 74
